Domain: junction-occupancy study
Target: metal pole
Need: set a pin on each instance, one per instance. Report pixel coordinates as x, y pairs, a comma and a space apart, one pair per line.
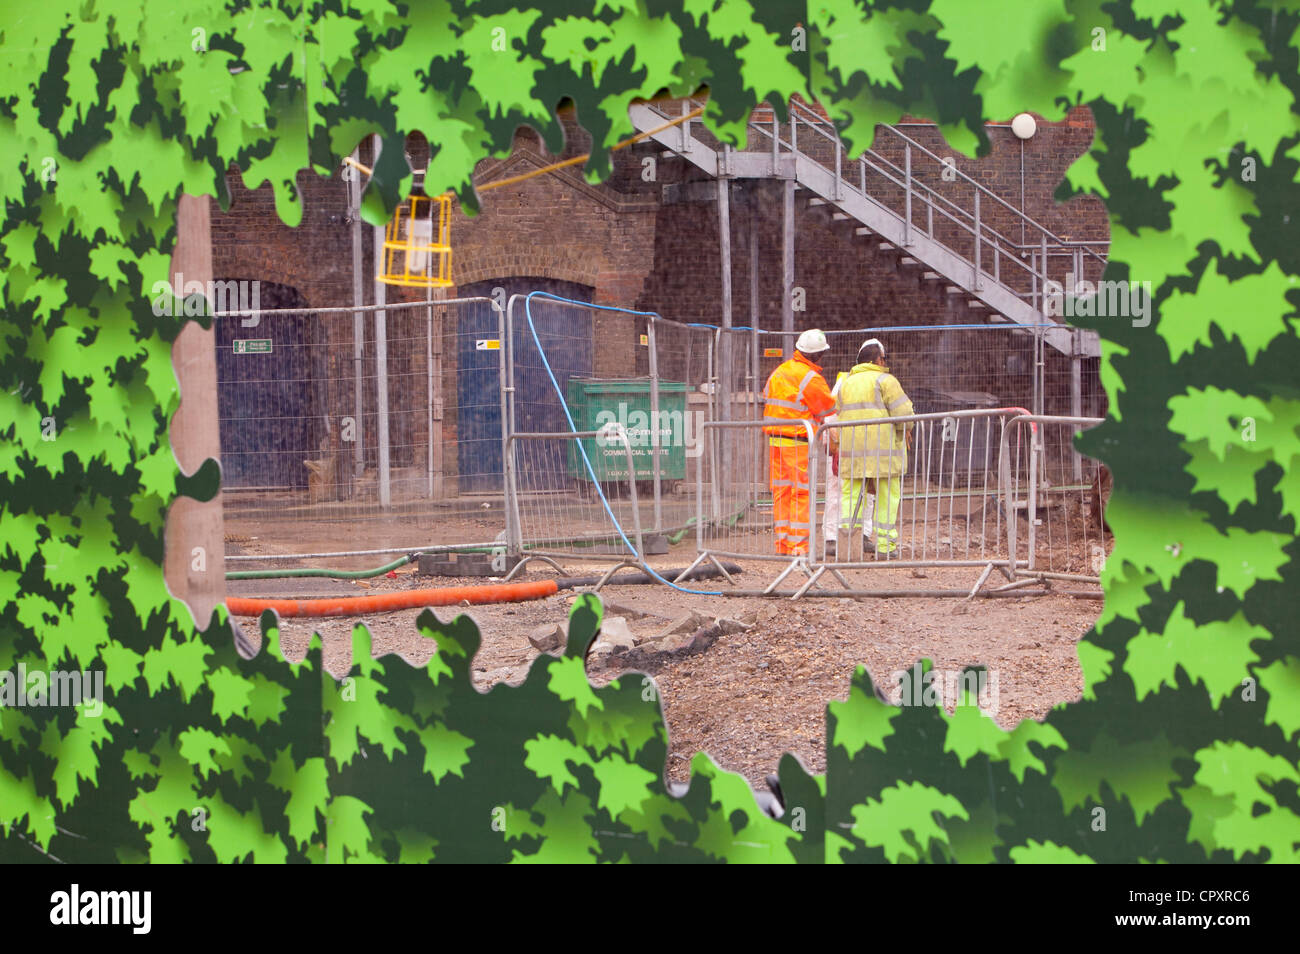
1076, 397
839, 179
655, 423
1033, 495
428, 360
756, 413
1039, 365
1033, 275
754, 388
726, 372
724, 236
358, 321
381, 362
907, 195
506, 366
439, 401
752, 195
714, 476
787, 267
1042, 261
978, 242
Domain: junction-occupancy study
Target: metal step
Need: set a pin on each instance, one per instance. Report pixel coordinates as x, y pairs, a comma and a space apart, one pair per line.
873, 219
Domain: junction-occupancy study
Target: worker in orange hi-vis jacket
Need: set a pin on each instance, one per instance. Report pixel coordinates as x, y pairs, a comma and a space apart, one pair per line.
796, 392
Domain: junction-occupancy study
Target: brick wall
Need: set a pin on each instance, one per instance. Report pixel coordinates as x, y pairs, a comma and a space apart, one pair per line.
621, 239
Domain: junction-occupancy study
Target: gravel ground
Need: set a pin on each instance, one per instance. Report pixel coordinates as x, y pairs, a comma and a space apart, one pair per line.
756, 694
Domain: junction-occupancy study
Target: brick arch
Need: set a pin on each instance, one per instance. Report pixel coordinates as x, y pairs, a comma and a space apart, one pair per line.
561, 264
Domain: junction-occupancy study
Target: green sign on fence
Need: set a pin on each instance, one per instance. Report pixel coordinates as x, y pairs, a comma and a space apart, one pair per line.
252, 346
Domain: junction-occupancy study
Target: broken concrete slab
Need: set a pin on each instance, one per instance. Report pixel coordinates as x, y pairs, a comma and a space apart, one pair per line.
629, 612
688, 623
614, 631
548, 637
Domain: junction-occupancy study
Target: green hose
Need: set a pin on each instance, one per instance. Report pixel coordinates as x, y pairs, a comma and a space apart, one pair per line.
731, 521
301, 572
315, 571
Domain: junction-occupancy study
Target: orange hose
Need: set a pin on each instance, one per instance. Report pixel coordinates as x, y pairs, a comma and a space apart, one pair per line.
388, 602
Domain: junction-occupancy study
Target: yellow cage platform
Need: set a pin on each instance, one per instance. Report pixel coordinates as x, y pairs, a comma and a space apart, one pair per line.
417, 243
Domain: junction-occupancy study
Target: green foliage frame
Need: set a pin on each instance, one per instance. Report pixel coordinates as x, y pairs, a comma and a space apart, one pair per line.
1187, 737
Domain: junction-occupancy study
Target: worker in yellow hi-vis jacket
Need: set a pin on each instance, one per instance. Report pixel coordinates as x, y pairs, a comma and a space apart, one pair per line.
873, 458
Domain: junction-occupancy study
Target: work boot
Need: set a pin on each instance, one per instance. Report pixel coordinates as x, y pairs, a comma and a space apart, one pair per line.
831, 544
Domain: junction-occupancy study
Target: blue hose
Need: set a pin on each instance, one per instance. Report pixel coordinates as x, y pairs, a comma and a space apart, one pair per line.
528, 313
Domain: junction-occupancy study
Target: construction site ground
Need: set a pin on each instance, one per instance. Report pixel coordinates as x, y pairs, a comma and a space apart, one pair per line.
756, 693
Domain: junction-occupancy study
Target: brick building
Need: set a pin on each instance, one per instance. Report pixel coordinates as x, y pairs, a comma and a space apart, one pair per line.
647, 238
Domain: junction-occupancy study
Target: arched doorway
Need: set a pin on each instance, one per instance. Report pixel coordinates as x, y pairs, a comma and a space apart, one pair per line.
267, 407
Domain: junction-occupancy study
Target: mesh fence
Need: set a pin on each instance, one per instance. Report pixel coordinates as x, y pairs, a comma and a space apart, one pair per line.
555, 511
942, 367
605, 366
1057, 520
309, 463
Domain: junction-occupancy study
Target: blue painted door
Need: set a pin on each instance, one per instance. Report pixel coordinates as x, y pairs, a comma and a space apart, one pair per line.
565, 334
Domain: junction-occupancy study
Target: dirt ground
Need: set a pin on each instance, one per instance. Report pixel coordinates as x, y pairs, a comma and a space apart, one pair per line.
755, 694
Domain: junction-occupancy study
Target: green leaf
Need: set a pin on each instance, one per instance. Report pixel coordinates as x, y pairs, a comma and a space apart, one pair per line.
1259, 822
908, 808
231, 693
1282, 683
1215, 654
861, 721
1249, 310
1047, 853
348, 834
182, 664
446, 752
548, 757
308, 788
1140, 771
197, 746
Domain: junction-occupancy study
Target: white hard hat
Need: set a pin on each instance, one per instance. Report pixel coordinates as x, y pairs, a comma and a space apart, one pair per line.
872, 341
812, 341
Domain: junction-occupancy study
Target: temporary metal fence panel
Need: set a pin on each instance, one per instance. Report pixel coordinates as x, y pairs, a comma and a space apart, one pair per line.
734, 520
301, 436
557, 516
977, 491
948, 506
609, 365
1053, 501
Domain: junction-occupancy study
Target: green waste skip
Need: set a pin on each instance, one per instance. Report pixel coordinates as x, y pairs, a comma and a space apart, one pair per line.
595, 402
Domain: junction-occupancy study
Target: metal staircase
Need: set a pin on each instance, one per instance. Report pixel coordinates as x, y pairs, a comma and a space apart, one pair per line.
913, 204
